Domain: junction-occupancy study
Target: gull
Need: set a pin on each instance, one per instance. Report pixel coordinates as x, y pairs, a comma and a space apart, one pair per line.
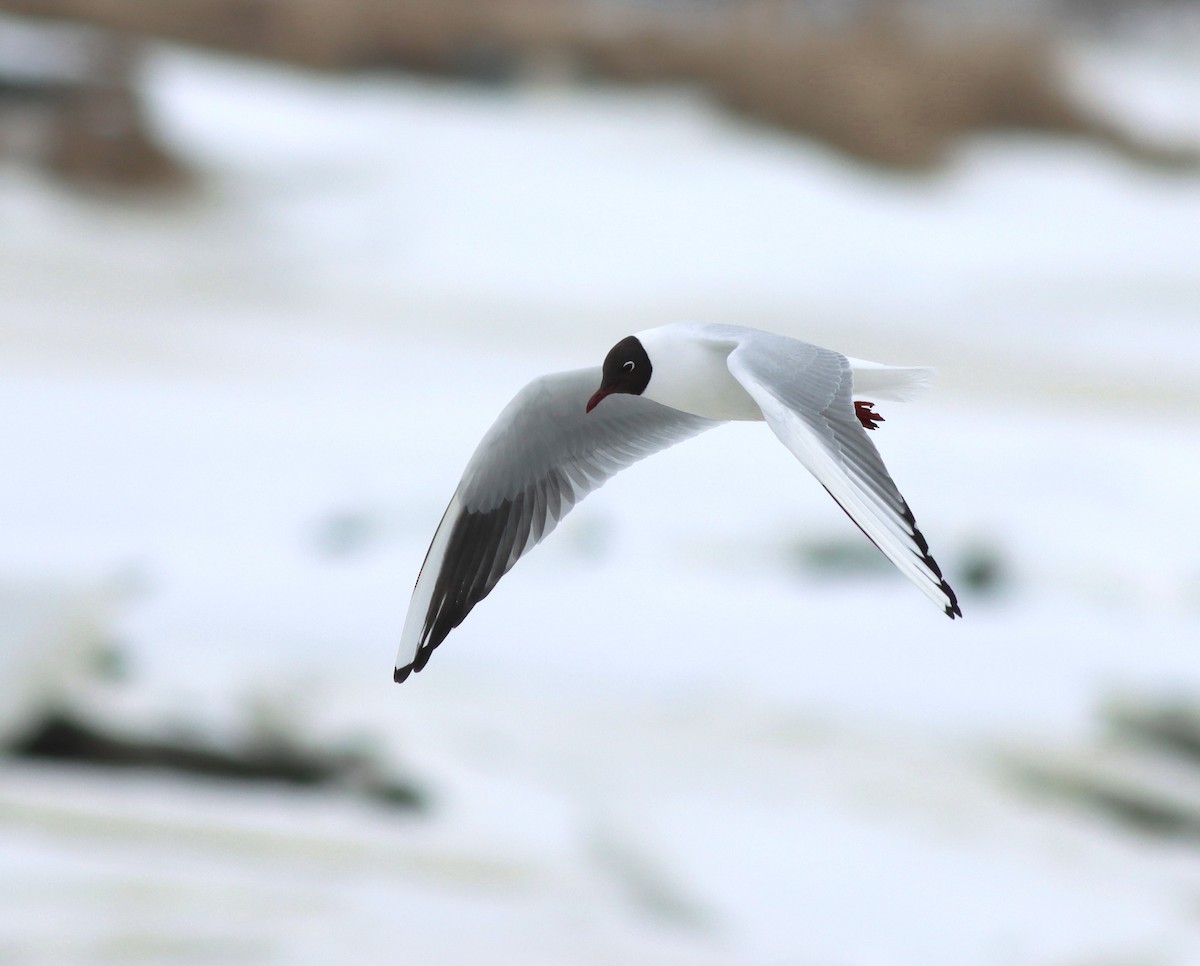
565, 434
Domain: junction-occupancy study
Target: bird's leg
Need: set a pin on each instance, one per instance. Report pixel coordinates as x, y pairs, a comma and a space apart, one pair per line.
865, 411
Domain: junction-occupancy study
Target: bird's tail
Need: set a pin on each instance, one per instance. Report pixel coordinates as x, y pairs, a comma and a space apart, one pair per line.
896, 383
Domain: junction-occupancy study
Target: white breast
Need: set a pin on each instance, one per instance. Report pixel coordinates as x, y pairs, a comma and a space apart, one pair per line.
690, 373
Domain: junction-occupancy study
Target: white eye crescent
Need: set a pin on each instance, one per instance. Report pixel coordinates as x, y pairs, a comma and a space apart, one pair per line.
629, 365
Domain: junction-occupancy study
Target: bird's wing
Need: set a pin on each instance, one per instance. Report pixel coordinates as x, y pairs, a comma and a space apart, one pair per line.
805, 394
542, 456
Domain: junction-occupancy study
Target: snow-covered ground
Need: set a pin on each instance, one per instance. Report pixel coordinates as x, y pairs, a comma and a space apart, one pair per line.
669, 736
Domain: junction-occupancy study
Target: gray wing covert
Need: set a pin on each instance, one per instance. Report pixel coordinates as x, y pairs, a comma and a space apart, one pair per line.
541, 457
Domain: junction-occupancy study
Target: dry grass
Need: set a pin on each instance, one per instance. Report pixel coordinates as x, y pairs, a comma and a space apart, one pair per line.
879, 88
98, 134
86, 124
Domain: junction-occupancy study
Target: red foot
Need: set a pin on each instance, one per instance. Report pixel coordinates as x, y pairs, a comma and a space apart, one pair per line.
865, 411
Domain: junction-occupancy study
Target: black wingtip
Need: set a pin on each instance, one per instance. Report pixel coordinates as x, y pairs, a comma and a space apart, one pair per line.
952, 608
400, 674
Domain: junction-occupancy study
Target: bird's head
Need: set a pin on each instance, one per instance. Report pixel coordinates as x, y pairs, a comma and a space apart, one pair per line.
626, 369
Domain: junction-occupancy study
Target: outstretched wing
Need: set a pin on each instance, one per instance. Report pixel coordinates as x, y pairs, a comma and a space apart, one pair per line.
541, 457
805, 394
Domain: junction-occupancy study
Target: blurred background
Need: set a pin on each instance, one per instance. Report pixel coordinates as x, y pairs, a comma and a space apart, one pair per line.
269, 269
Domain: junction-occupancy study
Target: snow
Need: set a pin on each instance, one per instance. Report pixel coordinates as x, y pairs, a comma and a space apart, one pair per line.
666, 737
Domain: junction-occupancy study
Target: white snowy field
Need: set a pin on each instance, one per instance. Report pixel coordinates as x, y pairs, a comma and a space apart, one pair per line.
668, 736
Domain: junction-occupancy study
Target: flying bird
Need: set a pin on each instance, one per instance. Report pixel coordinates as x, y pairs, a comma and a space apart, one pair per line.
565, 434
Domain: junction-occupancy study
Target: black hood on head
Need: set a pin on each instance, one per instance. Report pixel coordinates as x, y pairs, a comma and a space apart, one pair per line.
626, 370
627, 367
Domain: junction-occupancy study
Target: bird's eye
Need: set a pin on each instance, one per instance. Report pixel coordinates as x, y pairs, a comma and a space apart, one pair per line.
629, 365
